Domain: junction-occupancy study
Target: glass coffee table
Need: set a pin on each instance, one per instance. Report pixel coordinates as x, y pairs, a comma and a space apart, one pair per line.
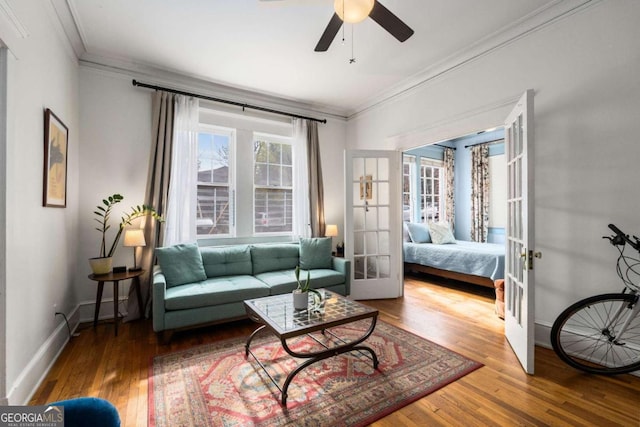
276, 314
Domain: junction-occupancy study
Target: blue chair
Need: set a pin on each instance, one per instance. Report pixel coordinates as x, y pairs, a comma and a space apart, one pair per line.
89, 412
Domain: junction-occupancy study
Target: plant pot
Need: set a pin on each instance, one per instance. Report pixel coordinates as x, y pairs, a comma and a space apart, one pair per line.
300, 300
101, 265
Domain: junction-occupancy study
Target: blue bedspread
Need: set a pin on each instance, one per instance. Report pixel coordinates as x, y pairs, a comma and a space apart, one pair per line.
480, 259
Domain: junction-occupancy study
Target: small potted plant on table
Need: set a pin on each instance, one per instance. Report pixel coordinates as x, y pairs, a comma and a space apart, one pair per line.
301, 293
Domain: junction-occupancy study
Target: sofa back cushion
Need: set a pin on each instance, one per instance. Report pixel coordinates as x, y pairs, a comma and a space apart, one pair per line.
181, 264
281, 256
315, 252
226, 260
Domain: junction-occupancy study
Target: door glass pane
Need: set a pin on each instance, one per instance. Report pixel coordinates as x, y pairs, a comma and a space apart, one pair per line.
358, 197
383, 243
383, 193
358, 219
372, 243
383, 169
372, 267
384, 266
383, 218
358, 243
371, 168
372, 219
358, 267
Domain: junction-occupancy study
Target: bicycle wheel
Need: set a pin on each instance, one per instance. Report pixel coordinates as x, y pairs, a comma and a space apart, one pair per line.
584, 335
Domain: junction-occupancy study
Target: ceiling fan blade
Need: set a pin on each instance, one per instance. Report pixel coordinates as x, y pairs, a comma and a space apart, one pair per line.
390, 22
329, 34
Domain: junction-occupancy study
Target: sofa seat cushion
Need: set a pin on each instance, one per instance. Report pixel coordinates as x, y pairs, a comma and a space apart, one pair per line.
284, 281
214, 291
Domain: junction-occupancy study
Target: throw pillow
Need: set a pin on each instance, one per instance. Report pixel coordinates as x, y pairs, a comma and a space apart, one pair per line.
441, 233
181, 264
315, 252
419, 233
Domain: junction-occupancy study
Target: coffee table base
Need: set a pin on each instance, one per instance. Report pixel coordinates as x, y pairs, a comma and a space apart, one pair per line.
313, 357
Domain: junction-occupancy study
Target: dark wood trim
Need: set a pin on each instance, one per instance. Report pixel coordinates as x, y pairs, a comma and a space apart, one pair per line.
469, 278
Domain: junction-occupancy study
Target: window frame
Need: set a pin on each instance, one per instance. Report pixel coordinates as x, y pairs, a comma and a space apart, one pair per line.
423, 196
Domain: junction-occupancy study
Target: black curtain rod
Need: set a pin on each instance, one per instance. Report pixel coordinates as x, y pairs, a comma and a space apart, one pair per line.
444, 146
225, 101
488, 142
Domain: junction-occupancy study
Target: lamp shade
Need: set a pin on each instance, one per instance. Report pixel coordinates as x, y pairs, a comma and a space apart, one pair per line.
134, 237
353, 11
331, 230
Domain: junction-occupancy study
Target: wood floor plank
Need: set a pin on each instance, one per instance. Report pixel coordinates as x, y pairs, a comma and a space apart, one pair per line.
457, 316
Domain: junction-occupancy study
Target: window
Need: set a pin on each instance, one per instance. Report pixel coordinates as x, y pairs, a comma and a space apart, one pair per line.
408, 179
431, 190
215, 189
273, 185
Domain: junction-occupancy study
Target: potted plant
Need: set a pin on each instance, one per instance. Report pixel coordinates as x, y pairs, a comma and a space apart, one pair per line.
102, 263
301, 293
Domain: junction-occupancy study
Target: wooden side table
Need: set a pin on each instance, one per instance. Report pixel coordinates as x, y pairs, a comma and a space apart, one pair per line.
116, 278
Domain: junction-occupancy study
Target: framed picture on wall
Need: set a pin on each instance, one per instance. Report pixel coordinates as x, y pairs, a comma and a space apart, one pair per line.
56, 148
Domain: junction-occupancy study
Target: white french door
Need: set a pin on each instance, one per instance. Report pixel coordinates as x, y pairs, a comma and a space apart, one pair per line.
519, 277
373, 234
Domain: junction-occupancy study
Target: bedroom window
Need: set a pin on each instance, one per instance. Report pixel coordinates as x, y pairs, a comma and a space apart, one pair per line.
215, 189
431, 190
273, 185
408, 180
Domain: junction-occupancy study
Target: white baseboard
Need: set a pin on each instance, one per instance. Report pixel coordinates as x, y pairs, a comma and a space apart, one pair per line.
38, 367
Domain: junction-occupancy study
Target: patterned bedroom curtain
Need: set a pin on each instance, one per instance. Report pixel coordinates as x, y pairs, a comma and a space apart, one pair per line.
156, 194
316, 186
479, 193
449, 203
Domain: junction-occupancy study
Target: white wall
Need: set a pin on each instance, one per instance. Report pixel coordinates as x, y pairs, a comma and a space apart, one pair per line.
41, 242
584, 69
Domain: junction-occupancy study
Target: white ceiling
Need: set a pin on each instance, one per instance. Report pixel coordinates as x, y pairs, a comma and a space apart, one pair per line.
267, 46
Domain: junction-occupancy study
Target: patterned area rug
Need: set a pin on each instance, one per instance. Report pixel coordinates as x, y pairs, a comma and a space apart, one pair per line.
215, 385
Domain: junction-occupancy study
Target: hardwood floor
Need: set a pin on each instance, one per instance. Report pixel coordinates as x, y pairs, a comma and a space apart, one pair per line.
115, 368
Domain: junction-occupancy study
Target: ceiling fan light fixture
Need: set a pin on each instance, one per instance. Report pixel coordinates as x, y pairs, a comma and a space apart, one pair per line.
353, 11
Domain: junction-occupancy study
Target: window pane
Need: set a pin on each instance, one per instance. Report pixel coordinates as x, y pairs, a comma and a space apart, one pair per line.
274, 175
286, 155
212, 217
260, 148
213, 210
287, 176
273, 210
260, 174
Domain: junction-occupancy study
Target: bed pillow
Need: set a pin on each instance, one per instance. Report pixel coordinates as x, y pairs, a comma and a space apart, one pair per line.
405, 233
419, 233
441, 233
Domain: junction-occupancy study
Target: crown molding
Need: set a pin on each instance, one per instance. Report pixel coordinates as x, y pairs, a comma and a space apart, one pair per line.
6, 10
66, 15
548, 14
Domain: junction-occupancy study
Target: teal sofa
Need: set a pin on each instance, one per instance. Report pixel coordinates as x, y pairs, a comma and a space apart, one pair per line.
195, 286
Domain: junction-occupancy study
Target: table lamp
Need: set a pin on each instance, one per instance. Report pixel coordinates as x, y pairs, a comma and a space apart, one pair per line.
134, 238
331, 230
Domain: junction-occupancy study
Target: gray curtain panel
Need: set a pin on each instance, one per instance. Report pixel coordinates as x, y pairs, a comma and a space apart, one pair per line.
316, 187
479, 193
156, 194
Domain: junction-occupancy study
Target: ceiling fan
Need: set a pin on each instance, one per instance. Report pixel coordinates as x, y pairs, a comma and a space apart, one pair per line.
353, 11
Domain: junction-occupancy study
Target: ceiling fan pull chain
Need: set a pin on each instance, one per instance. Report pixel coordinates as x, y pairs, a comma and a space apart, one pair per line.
353, 58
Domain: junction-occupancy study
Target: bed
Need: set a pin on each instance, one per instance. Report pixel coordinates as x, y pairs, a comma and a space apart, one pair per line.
473, 262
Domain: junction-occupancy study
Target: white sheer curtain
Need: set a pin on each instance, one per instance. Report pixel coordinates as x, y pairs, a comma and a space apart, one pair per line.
301, 226
182, 200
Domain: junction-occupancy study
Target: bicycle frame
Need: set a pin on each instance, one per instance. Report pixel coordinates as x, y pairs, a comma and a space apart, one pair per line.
613, 336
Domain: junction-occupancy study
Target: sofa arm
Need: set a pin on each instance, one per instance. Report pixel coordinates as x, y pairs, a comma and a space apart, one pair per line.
159, 288
343, 266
